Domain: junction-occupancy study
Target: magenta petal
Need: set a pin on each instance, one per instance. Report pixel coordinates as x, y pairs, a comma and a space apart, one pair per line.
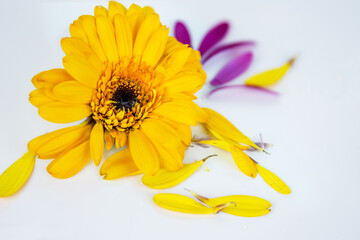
182, 33
243, 93
225, 47
233, 69
215, 35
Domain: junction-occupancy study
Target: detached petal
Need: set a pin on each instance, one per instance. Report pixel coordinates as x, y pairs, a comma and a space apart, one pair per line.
182, 33
274, 181
233, 69
270, 77
16, 175
215, 35
244, 162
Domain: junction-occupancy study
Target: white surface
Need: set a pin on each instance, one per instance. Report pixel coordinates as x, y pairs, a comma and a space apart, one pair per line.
314, 127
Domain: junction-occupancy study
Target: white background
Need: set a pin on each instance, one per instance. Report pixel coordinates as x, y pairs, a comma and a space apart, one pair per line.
314, 126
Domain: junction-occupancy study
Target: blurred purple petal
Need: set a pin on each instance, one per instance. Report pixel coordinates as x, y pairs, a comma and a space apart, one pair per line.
233, 69
182, 34
215, 35
225, 47
243, 93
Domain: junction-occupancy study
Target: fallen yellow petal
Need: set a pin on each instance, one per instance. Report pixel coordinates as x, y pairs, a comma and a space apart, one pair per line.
274, 181
180, 203
244, 162
270, 77
166, 179
16, 175
222, 144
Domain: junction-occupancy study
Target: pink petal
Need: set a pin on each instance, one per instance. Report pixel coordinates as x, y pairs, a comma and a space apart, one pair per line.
215, 35
182, 34
243, 93
225, 47
233, 69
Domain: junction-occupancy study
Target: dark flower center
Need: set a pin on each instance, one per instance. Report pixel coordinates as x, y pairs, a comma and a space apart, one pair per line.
124, 97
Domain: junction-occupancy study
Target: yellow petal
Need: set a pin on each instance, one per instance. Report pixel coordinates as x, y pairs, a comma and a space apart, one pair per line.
100, 11
222, 144
118, 165
39, 98
180, 203
51, 77
242, 205
59, 112
218, 124
183, 82
155, 48
243, 162
70, 163
270, 77
116, 8
16, 175
272, 180
109, 140
82, 70
106, 33
73, 91
97, 143
123, 35
76, 31
169, 158
143, 153
178, 112
166, 179
147, 28
52, 144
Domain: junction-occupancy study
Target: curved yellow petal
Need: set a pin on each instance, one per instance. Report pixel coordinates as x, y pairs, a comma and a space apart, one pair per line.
109, 140
123, 35
156, 46
143, 153
52, 144
183, 82
106, 33
51, 77
39, 98
59, 112
76, 31
70, 163
222, 144
118, 165
16, 175
166, 179
73, 91
269, 77
180, 203
97, 143
273, 181
178, 112
82, 70
100, 11
169, 158
243, 162
116, 8
218, 124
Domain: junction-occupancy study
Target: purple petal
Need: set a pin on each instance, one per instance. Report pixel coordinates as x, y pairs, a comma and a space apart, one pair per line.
182, 34
225, 47
243, 93
233, 69
215, 35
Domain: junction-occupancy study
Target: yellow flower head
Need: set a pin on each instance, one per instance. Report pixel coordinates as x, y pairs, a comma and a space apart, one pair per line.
133, 82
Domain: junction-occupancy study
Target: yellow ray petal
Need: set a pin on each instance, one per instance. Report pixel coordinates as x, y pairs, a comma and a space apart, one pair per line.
109, 140
222, 144
51, 77
178, 112
70, 163
147, 28
116, 8
270, 77
166, 179
100, 11
143, 153
183, 82
274, 181
59, 112
180, 203
242, 205
76, 31
220, 125
123, 35
106, 33
72, 91
243, 162
97, 143
118, 165
52, 144
39, 98
155, 48
82, 70
169, 158
16, 175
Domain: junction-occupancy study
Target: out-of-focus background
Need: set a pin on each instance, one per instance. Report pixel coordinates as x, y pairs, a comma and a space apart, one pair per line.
313, 124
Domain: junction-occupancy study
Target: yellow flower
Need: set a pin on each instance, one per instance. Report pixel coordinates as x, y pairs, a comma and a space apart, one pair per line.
132, 83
